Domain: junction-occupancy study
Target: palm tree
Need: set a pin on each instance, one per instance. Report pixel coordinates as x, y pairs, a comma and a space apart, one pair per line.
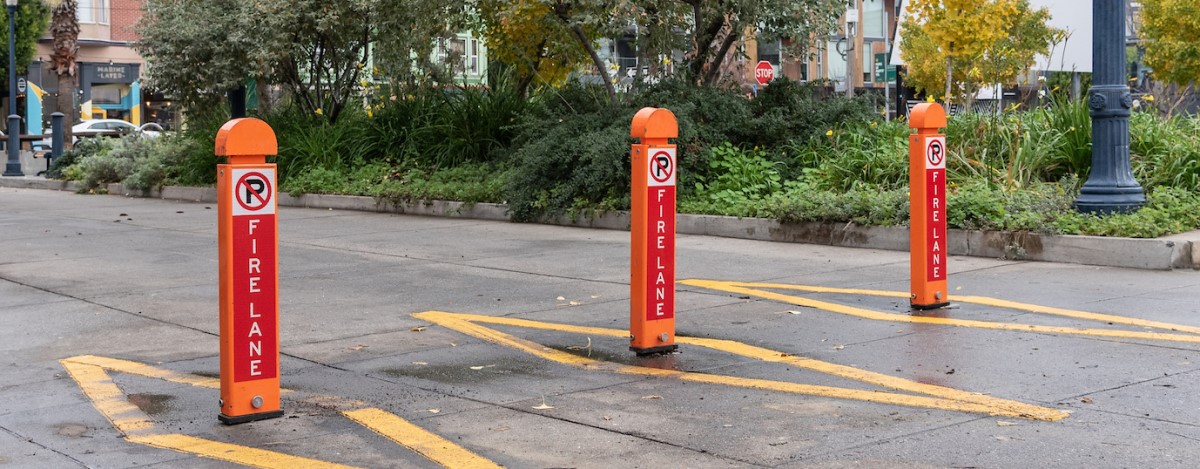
64, 28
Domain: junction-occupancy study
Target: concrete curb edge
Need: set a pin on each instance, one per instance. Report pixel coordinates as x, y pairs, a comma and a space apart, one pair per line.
1171, 252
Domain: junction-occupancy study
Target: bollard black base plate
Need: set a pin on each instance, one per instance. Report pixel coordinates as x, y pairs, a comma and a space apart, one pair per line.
641, 352
227, 420
930, 306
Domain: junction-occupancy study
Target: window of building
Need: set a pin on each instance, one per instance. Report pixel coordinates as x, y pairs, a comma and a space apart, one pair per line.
872, 18
473, 57
835, 62
868, 63
769, 51
92, 11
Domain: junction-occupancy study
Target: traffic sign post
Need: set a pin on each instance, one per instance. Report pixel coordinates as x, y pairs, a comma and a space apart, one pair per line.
249, 276
927, 154
652, 233
764, 72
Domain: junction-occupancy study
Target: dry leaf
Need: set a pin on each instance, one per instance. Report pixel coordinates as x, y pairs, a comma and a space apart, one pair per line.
574, 303
792, 311
502, 428
839, 347
452, 344
418, 329
561, 298
358, 347
652, 397
595, 296
1002, 423
544, 406
607, 417
785, 355
435, 411
420, 363
481, 367
1086, 400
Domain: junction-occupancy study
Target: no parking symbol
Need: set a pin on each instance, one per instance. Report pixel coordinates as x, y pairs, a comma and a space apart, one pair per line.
254, 191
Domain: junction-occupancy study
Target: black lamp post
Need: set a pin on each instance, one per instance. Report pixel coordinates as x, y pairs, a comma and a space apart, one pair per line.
13, 168
1110, 187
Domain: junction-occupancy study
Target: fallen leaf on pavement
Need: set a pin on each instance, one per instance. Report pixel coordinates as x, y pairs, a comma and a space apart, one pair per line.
1002, 423
418, 329
435, 411
544, 406
652, 397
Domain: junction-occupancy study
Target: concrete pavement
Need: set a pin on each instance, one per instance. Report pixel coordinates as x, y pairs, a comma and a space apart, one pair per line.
799, 378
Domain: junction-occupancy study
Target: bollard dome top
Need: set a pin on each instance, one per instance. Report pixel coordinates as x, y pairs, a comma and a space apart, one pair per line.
927, 116
246, 137
654, 123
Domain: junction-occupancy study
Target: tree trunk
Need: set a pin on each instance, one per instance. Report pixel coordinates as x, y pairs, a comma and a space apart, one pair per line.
587, 45
714, 70
949, 69
66, 105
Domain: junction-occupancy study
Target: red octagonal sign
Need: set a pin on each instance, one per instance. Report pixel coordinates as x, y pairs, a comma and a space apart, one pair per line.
764, 72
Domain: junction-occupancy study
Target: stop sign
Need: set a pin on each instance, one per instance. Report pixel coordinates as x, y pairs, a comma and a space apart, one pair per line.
764, 72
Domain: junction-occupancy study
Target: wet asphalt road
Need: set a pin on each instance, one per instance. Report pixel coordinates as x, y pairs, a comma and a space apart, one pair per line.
136, 279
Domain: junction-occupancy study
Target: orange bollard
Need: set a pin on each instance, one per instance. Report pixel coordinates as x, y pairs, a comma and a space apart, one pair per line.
249, 276
927, 154
652, 232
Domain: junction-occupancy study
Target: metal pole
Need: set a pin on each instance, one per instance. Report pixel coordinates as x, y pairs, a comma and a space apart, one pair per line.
887, 60
13, 168
1110, 187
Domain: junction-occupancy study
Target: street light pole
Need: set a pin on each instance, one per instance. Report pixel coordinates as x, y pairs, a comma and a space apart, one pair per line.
13, 168
1110, 187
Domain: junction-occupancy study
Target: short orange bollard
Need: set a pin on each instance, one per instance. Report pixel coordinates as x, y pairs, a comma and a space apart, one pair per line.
927, 154
652, 232
249, 276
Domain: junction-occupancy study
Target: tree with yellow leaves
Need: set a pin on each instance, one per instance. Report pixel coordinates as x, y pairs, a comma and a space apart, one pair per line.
955, 47
526, 36
1172, 31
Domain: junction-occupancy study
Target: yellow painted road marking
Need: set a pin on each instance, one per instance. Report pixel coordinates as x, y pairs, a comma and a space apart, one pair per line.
243, 455
938, 397
979, 300
753, 289
89, 372
436, 448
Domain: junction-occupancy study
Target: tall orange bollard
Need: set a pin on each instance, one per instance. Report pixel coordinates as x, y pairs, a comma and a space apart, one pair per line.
927, 204
249, 275
652, 233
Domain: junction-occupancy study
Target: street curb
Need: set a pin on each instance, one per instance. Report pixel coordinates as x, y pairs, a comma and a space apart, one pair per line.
1166, 253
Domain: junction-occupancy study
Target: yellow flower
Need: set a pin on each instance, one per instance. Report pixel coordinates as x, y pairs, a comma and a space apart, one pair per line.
829, 133
1148, 98
873, 124
370, 115
929, 99
319, 112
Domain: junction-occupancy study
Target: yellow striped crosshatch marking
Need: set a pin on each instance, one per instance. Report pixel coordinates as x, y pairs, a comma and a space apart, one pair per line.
91, 374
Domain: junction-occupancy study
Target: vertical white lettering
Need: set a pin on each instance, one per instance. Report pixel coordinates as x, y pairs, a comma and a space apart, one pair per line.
936, 214
662, 226
937, 259
252, 313
254, 371
253, 223
660, 211
661, 193
662, 280
660, 293
658, 262
661, 240
254, 266
658, 310
256, 348
254, 330
937, 272
937, 247
254, 246
936, 202
254, 285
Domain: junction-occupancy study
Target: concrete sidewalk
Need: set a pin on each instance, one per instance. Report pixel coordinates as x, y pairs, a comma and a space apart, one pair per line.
799, 378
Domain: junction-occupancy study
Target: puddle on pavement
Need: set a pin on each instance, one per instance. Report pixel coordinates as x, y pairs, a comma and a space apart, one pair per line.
152, 404
73, 430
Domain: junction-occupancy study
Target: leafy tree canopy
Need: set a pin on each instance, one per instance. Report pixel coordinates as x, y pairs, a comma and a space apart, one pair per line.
32, 19
974, 42
1172, 29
